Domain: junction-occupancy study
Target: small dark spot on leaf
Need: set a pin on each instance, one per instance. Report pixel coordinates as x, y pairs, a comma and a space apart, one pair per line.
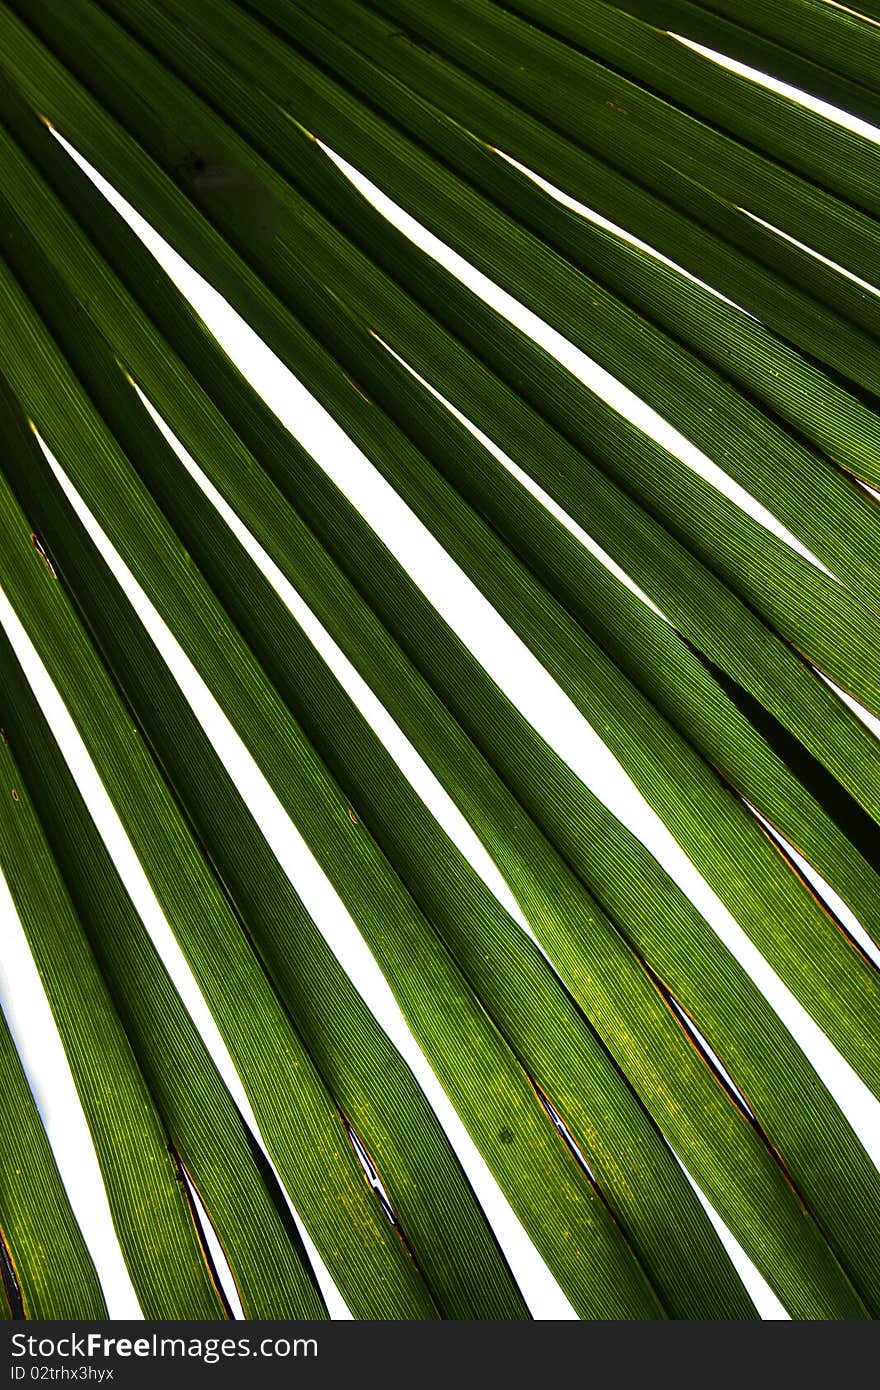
224, 187
506, 1135
14, 794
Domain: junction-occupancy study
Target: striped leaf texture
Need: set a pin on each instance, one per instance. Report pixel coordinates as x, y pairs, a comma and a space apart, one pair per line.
692, 557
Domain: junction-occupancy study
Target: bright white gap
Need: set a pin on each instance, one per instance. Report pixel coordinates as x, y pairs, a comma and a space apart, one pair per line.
824, 890
224, 1274
852, 1095
565, 1133
821, 108
398, 745
870, 720
39, 1045
594, 377
539, 1287
531, 486
784, 89
869, 489
857, 14
590, 215
691, 1028
768, 1305
139, 890
370, 1172
817, 255
847, 9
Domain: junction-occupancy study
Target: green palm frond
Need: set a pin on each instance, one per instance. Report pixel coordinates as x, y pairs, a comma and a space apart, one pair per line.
51, 1267
621, 1054
816, 63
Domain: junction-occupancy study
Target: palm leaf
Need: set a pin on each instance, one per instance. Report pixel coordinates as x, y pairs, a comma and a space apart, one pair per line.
583, 1069
150, 1209
205, 1133
813, 66
762, 120
711, 239
344, 113
431, 880
46, 1269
